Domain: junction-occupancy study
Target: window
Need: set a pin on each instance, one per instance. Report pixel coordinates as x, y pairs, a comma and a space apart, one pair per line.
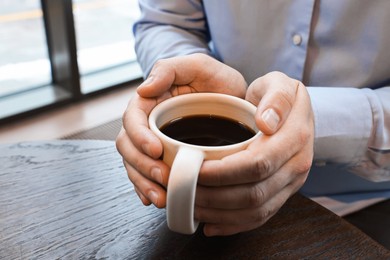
58, 51
105, 41
24, 62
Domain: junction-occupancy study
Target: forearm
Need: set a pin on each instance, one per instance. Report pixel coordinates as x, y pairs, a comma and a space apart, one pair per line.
168, 29
352, 128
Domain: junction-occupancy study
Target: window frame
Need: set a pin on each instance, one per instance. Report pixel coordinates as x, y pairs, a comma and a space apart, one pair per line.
66, 79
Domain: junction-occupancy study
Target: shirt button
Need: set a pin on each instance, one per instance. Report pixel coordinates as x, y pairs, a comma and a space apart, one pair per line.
297, 39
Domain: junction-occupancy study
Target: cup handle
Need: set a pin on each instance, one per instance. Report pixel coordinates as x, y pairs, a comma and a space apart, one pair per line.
182, 183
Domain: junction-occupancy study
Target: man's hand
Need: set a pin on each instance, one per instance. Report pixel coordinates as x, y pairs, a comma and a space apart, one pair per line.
242, 191
139, 147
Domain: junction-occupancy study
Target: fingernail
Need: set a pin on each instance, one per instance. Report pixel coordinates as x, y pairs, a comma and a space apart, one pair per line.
156, 174
153, 197
271, 119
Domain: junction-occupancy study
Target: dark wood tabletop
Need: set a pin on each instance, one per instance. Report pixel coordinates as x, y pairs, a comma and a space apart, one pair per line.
72, 200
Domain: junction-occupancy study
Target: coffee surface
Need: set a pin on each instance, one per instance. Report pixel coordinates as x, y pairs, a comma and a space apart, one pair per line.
207, 130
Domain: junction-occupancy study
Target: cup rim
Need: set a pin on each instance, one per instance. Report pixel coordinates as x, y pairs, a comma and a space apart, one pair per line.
191, 96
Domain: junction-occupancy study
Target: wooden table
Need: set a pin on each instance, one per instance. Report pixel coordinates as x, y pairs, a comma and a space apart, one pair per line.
72, 200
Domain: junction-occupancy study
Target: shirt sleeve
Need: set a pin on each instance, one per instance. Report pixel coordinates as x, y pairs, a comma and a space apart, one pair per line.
352, 128
169, 28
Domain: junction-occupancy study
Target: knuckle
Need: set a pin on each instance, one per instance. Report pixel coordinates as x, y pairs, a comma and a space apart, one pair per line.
132, 176
303, 135
304, 167
286, 96
127, 116
262, 167
274, 77
136, 162
258, 81
256, 196
261, 215
275, 73
119, 141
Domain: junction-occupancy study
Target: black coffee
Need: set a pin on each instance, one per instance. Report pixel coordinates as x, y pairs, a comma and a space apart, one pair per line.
207, 130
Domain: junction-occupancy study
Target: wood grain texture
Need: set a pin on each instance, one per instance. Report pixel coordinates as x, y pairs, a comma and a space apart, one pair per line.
72, 200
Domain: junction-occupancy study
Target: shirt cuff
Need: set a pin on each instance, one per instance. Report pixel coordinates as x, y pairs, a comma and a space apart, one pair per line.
343, 124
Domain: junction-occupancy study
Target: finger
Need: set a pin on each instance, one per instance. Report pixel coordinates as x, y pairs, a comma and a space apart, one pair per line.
229, 222
143, 199
243, 196
263, 157
149, 189
166, 73
253, 195
196, 73
211, 230
136, 126
241, 221
245, 215
274, 95
224, 221
266, 154
154, 170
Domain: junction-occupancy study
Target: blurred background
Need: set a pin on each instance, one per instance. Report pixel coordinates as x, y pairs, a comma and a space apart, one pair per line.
56, 52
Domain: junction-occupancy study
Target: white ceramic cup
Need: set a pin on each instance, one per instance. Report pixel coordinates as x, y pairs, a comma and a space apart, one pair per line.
186, 159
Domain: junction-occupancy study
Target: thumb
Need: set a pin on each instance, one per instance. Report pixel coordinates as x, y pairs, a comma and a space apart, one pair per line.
179, 71
159, 81
274, 95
